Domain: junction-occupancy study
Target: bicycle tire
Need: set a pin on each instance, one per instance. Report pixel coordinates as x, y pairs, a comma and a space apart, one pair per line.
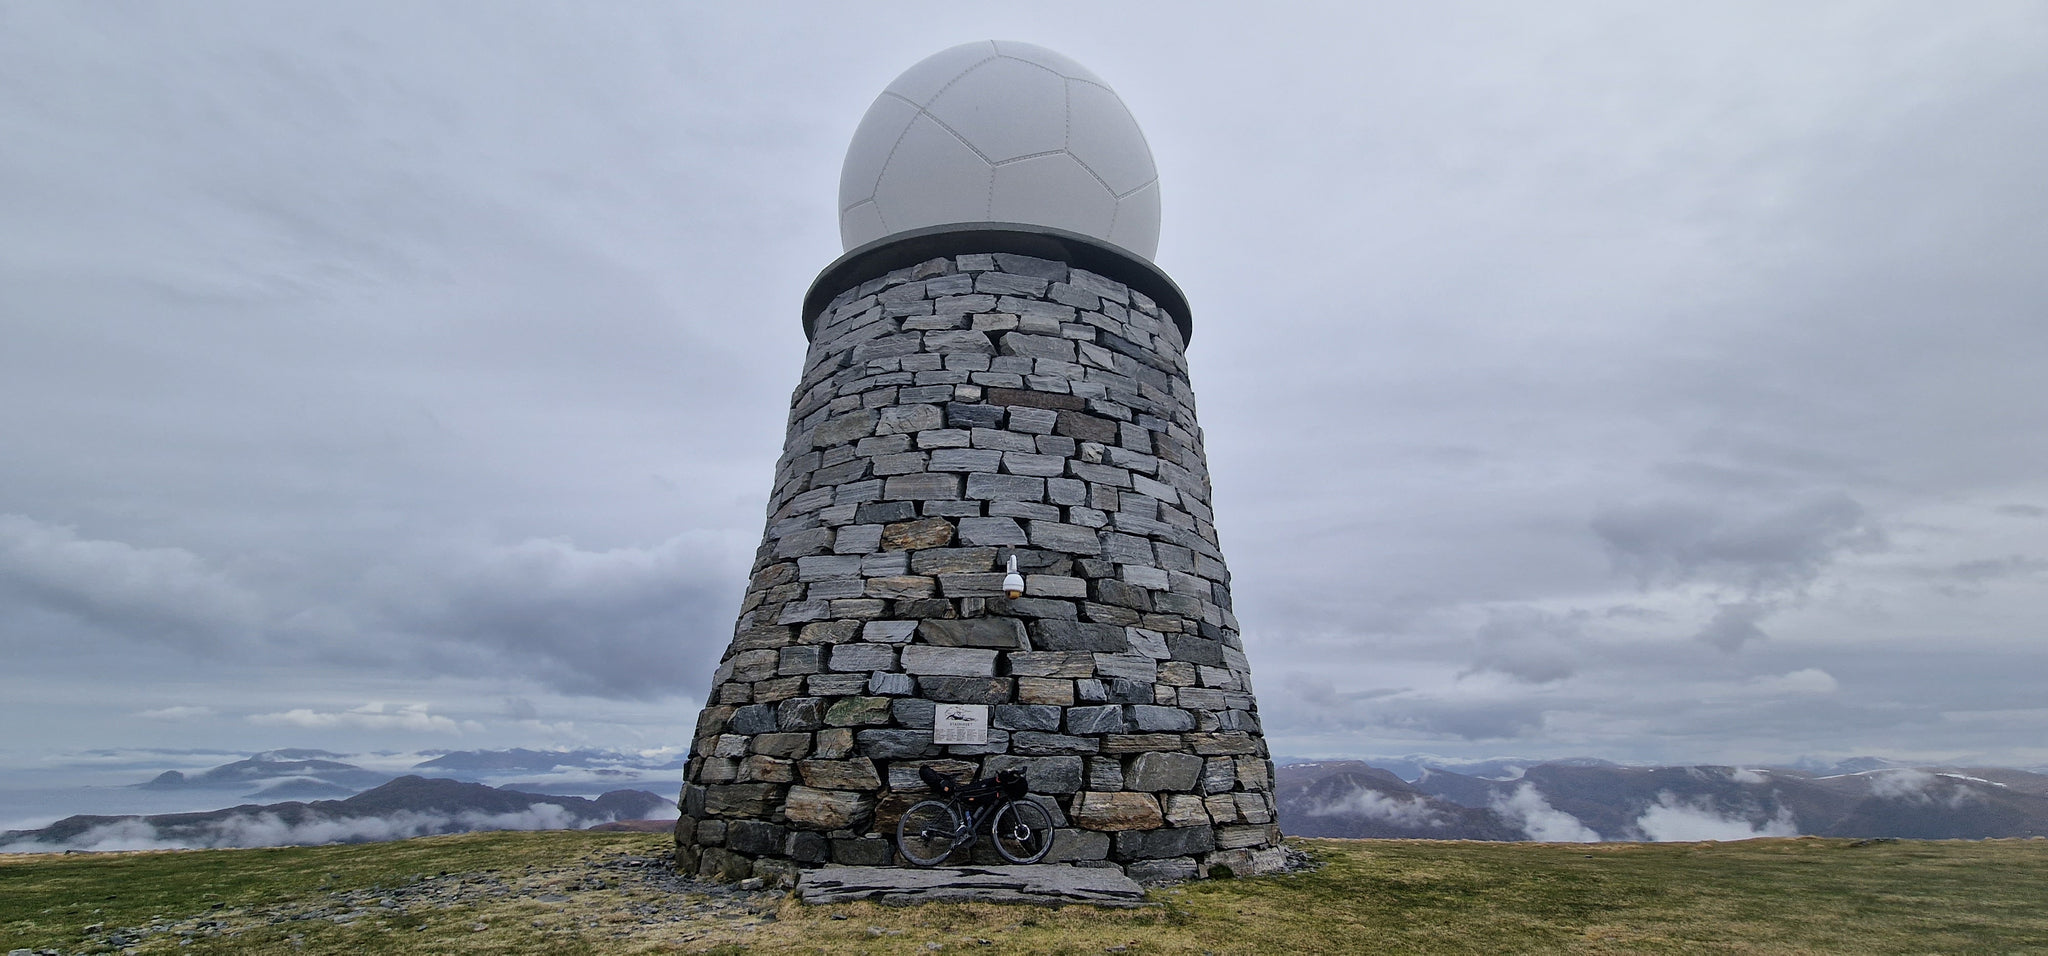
928, 832
1022, 831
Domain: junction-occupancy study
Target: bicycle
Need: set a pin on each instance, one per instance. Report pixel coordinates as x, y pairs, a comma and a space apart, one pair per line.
932, 829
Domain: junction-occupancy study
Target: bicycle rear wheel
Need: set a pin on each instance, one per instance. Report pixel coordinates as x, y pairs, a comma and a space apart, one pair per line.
1022, 831
928, 833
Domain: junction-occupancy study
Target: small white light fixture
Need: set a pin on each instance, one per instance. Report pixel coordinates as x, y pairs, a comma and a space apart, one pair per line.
1013, 583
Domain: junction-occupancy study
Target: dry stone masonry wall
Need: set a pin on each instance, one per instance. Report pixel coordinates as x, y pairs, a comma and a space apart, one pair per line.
951, 415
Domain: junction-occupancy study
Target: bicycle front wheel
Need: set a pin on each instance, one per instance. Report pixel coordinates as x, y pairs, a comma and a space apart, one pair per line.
1022, 831
928, 832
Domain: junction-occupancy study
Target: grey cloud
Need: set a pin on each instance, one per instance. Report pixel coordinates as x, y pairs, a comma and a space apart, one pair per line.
1734, 625
623, 621
1753, 546
156, 594
1530, 645
360, 308
1992, 569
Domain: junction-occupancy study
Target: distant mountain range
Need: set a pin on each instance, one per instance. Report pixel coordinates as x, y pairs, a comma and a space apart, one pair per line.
409, 806
1592, 800
298, 774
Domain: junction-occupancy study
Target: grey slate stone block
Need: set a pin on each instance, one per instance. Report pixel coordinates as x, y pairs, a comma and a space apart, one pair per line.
799, 714
966, 690
1005, 487
997, 439
1077, 636
1026, 717
996, 632
891, 685
1027, 510
1153, 772
961, 415
896, 744
1041, 774
1122, 691
923, 487
888, 632
966, 459
1035, 743
1194, 650
1150, 718
1020, 343
956, 342
1165, 842
999, 532
1050, 270
754, 719
923, 659
1096, 720
1033, 421
1131, 667
1000, 283
864, 656
912, 712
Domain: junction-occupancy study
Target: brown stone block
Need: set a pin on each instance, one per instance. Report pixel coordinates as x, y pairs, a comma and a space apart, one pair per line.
997, 632
834, 743
1032, 399
856, 774
860, 608
781, 688
1140, 743
734, 692
1116, 811
1086, 427
1045, 690
901, 587
740, 799
829, 632
761, 768
1240, 837
816, 809
766, 637
1223, 742
913, 535
712, 719
786, 745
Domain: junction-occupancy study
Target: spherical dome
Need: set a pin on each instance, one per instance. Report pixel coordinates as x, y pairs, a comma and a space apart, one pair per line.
1000, 131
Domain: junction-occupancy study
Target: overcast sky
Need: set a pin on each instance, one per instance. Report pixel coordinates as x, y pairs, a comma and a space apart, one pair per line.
1656, 382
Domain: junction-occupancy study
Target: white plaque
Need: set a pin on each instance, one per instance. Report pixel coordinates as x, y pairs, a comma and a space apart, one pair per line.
960, 724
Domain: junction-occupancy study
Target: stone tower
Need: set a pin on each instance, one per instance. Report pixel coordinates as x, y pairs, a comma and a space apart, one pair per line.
977, 391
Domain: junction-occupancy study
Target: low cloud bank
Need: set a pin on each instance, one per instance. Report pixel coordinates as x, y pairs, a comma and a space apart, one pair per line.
1672, 820
1411, 813
268, 829
1526, 808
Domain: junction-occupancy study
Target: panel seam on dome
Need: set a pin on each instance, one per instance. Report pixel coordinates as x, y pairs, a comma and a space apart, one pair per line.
957, 77
950, 131
1038, 155
1154, 181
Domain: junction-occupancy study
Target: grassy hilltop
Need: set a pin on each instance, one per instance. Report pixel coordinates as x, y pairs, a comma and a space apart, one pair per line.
583, 892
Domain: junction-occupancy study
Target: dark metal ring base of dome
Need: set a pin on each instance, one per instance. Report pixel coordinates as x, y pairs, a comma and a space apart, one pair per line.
887, 254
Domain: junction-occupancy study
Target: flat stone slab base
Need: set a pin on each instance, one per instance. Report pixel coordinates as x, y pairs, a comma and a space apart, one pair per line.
1043, 884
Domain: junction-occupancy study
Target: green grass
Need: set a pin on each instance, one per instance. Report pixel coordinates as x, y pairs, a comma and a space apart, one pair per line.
480, 893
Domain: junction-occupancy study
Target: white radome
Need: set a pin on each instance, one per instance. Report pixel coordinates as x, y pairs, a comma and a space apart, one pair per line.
1000, 131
